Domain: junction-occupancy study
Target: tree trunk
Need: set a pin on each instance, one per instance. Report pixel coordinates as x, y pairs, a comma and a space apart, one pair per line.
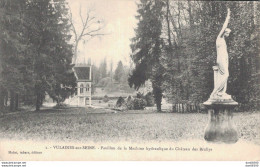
38, 102
159, 105
157, 91
39, 98
16, 101
12, 101
168, 24
2, 99
75, 53
5, 98
58, 103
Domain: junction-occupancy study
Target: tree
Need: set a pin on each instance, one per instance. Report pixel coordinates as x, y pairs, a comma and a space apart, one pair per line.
95, 74
103, 68
15, 69
111, 70
119, 72
244, 53
48, 31
190, 50
90, 27
146, 48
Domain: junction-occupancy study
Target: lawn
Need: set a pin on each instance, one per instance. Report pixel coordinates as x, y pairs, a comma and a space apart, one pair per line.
98, 125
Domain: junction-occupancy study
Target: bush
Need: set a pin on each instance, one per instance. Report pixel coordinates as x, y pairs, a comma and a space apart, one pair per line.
136, 104
139, 104
120, 101
139, 95
149, 99
129, 98
105, 99
60, 106
130, 104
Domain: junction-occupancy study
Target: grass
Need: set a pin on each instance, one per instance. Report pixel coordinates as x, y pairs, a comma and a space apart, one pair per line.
80, 124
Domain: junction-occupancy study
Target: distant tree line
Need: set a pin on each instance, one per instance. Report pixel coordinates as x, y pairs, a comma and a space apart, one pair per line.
35, 54
175, 48
110, 79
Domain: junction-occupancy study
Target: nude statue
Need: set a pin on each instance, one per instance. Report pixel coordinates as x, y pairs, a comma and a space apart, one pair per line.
222, 61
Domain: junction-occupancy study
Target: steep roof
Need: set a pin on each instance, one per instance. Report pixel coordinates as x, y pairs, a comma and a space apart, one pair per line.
82, 73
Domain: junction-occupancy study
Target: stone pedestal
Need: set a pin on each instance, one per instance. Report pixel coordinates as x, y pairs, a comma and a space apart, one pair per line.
220, 127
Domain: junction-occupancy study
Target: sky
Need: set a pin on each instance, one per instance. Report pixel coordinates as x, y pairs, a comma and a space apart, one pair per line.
119, 20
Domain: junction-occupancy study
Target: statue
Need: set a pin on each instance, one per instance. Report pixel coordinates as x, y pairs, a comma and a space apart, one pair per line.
220, 85
220, 105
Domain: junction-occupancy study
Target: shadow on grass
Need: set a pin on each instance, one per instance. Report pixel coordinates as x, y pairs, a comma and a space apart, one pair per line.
54, 110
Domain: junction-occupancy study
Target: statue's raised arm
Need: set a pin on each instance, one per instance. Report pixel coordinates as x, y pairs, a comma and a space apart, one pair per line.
220, 35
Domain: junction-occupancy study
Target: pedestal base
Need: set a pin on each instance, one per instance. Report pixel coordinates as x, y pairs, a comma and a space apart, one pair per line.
220, 127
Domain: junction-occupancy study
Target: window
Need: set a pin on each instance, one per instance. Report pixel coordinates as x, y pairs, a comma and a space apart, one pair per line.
81, 88
87, 87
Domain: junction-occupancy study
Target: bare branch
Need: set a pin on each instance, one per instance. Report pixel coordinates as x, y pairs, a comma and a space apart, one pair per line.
90, 23
88, 30
72, 25
84, 24
81, 18
92, 32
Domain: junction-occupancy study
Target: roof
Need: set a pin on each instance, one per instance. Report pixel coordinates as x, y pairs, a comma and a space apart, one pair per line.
82, 73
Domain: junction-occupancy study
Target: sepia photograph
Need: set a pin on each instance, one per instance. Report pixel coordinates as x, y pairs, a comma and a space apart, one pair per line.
132, 80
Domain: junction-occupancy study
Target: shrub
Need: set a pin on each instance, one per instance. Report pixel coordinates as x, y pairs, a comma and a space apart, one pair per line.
120, 101
149, 99
105, 99
130, 104
139, 95
136, 104
129, 98
139, 104
60, 106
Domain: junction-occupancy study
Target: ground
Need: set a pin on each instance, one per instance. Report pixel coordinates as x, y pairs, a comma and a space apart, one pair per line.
98, 125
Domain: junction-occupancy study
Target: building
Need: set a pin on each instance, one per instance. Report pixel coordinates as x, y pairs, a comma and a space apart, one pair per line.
83, 75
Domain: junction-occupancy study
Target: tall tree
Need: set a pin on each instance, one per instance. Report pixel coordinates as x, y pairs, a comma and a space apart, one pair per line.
244, 53
193, 30
15, 70
103, 68
119, 72
48, 31
146, 48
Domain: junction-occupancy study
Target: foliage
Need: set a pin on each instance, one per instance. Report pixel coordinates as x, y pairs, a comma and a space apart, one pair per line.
146, 48
35, 51
139, 95
175, 47
129, 98
95, 75
103, 68
119, 72
60, 106
149, 99
136, 104
104, 82
105, 99
14, 55
113, 81
120, 101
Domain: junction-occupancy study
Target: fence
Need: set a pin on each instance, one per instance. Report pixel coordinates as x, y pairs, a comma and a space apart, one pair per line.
188, 108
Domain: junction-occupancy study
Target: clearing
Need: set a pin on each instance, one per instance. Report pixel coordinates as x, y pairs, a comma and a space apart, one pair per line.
99, 125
